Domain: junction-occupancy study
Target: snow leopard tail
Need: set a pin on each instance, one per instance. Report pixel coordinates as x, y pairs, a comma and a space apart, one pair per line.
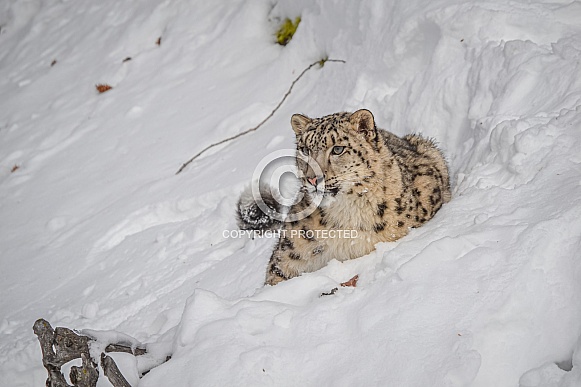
262, 214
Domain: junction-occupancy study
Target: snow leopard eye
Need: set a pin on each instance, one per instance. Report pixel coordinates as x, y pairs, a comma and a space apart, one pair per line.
304, 150
337, 150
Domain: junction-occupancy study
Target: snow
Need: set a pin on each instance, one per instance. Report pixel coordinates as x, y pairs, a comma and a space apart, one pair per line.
97, 232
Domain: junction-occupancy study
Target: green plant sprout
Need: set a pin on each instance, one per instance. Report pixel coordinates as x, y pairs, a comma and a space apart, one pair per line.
287, 30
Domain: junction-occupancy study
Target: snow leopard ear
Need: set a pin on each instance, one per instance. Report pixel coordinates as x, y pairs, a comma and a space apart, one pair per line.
362, 121
299, 123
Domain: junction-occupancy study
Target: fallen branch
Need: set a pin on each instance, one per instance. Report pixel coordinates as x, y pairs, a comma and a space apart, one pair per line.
321, 63
61, 345
112, 372
86, 375
58, 348
124, 348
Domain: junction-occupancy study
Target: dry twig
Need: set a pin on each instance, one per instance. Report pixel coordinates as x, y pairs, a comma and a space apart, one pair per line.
321, 63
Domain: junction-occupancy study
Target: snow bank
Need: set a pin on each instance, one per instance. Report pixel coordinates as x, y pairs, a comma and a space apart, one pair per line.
97, 232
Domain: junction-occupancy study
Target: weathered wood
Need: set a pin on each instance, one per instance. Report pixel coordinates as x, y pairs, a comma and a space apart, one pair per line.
61, 345
112, 372
86, 375
69, 345
46, 336
125, 348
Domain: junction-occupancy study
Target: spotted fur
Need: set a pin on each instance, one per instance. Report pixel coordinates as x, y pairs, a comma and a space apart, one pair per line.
373, 182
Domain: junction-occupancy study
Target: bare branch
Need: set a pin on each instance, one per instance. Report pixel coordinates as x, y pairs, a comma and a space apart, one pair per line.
124, 348
112, 372
61, 345
321, 63
53, 357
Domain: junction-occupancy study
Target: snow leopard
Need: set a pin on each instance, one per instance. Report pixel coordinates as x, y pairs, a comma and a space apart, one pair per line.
372, 186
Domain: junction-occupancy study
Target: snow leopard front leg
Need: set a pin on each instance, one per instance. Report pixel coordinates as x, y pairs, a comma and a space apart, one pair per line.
274, 273
294, 256
287, 260
297, 251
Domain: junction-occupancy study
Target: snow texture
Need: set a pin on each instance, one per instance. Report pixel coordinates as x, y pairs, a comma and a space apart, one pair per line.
97, 232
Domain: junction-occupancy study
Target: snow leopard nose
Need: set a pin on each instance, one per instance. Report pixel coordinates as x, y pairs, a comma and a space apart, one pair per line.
315, 180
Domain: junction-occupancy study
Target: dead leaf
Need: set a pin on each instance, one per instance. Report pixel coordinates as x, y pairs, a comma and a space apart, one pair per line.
352, 282
103, 87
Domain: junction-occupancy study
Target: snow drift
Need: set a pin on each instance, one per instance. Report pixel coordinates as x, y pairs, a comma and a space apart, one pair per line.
97, 232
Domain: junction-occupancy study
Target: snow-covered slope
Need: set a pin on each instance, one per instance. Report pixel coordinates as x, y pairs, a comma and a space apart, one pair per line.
97, 232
